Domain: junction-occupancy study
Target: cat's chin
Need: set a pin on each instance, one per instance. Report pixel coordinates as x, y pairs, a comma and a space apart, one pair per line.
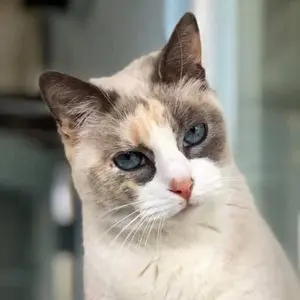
186, 211
197, 207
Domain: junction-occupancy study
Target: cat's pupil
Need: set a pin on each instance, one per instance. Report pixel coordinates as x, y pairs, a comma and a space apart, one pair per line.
127, 156
195, 135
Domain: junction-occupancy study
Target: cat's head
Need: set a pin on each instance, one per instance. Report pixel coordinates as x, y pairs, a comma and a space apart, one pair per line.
148, 142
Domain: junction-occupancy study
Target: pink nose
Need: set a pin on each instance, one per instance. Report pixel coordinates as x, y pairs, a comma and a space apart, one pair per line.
182, 187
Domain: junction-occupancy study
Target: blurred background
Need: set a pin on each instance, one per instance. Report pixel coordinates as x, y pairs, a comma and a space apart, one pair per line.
251, 53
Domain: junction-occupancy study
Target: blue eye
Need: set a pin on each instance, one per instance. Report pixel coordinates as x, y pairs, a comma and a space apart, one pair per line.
195, 135
129, 161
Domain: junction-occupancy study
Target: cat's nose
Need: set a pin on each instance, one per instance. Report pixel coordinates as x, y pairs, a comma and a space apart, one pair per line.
182, 187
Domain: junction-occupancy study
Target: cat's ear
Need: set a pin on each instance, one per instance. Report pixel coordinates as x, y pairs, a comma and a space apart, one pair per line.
181, 56
71, 100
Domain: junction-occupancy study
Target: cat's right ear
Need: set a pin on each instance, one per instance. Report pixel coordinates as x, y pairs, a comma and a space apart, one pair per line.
71, 100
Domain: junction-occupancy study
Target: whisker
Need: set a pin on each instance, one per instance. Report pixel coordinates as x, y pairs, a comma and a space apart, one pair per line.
145, 228
117, 223
159, 229
139, 225
153, 219
152, 210
115, 209
123, 229
129, 234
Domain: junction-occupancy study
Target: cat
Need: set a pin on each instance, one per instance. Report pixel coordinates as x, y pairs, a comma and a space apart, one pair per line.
166, 212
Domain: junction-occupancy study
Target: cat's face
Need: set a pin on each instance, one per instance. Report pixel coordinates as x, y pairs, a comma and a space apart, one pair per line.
148, 142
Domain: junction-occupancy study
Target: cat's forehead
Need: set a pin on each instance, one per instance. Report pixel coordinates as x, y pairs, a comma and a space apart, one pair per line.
138, 126
140, 103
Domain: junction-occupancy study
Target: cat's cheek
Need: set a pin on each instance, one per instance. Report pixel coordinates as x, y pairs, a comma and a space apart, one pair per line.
207, 180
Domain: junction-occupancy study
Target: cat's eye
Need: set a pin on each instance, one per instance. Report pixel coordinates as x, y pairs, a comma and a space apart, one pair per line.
129, 161
195, 135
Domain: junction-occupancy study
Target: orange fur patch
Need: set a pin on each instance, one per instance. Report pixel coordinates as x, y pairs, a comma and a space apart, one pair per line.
138, 125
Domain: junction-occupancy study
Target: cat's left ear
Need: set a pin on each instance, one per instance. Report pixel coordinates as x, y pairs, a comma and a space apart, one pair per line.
181, 56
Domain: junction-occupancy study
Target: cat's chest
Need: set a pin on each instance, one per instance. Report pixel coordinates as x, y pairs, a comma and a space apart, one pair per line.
166, 274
